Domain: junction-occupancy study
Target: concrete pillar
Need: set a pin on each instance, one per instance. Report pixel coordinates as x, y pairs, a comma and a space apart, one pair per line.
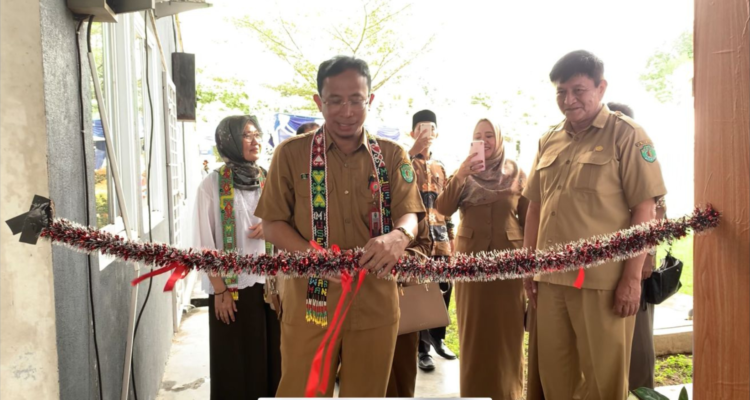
28, 346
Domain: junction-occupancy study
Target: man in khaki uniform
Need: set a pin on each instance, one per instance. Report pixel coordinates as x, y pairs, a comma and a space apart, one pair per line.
595, 173
349, 199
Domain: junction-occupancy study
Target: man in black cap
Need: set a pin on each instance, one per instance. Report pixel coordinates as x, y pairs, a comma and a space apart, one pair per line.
431, 180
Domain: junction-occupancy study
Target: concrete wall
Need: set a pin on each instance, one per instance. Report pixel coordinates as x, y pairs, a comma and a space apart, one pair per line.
111, 287
28, 347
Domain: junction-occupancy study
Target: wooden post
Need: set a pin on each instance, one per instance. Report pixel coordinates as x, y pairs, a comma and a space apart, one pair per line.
722, 178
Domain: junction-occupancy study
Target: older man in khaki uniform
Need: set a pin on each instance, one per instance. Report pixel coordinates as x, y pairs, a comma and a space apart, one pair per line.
331, 186
595, 173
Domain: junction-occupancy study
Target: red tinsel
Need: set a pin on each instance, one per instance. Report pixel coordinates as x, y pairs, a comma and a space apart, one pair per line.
507, 264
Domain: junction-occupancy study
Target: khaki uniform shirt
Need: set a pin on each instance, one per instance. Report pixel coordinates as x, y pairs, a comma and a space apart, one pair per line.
286, 197
431, 180
485, 227
587, 183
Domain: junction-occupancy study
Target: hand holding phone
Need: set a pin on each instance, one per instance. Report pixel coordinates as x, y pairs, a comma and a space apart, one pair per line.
477, 146
423, 138
474, 162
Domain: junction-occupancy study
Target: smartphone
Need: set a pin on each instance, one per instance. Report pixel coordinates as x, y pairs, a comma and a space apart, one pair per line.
425, 129
477, 146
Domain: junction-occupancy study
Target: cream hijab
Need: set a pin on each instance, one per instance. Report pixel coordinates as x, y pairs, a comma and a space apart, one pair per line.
491, 184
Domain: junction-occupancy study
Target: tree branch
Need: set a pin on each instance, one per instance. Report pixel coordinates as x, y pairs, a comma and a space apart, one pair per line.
291, 38
264, 35
404, 64
337, 35
364, 29
382, 63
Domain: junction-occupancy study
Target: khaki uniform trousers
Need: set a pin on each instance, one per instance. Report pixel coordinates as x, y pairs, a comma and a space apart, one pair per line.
581, 341
403, 380
365, 355
490, 332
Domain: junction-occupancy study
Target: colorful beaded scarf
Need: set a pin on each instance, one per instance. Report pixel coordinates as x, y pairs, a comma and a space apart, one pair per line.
228, 223
317, 288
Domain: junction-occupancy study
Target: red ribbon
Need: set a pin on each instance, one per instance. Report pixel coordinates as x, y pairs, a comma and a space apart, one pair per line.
329, 353
579, 280
180, 271
317, 381
317, 247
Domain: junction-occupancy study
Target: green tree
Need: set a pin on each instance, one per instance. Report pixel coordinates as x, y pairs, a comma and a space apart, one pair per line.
375, 37
519, 111
661, 66
222, 96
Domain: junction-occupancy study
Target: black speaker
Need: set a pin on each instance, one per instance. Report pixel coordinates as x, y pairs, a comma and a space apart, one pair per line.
183, 75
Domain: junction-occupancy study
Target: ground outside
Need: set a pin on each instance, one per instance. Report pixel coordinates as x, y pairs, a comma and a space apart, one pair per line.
186, 376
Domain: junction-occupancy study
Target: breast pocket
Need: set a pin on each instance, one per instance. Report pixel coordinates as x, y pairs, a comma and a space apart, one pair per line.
366, 201
515, 237
597, 172
546, 171
302, 188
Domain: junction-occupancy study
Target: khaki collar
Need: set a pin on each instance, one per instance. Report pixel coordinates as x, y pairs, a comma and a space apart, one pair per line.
599, 121
330, 143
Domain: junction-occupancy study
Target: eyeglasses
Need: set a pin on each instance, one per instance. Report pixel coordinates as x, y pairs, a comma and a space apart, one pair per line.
252, 136
338, 104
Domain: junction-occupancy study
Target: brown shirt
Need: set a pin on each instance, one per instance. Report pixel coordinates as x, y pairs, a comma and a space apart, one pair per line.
431, 180
494, 226
587, 183
286, 197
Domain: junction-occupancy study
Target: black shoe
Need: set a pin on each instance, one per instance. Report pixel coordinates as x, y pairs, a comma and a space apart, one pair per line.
443, 350
425, 362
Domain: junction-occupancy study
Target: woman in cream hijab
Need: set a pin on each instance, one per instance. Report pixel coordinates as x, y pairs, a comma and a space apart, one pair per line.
490, 314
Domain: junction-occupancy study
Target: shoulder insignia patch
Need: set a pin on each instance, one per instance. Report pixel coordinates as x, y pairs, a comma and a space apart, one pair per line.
648, 153
407, 172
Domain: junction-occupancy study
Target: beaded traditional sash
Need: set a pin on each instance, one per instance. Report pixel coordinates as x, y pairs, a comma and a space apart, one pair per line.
316, 304
228, 222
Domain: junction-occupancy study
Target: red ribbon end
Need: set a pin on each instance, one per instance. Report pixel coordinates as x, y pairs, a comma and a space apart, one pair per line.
180, 271
579, 280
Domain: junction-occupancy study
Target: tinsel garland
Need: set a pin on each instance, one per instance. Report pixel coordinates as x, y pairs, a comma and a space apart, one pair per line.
486, 266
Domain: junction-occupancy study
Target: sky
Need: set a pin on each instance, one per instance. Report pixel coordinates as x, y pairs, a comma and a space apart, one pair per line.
498, 48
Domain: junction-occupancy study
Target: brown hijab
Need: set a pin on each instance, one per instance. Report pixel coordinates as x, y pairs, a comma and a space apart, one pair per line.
493, 183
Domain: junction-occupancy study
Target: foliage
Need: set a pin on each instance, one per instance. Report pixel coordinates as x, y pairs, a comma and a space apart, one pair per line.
216, 154
682, 250
648, 394
518, 110
100, 175
673, 370
658, 78
102, 210
229, 92
374, 37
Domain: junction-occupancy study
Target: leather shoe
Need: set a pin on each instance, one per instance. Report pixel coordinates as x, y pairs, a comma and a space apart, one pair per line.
425, 362
443, 350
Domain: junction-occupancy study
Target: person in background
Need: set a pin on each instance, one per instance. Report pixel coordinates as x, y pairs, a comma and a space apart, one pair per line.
642, 355
244, 333
403, 379
307, 127
431, 179
489, 314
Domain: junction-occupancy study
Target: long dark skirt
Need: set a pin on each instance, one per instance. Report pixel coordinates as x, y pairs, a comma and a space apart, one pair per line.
246, 354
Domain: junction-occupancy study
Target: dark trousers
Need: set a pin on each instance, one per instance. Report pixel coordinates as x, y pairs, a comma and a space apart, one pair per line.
427, 337
245, 360
403, 379
642, 357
